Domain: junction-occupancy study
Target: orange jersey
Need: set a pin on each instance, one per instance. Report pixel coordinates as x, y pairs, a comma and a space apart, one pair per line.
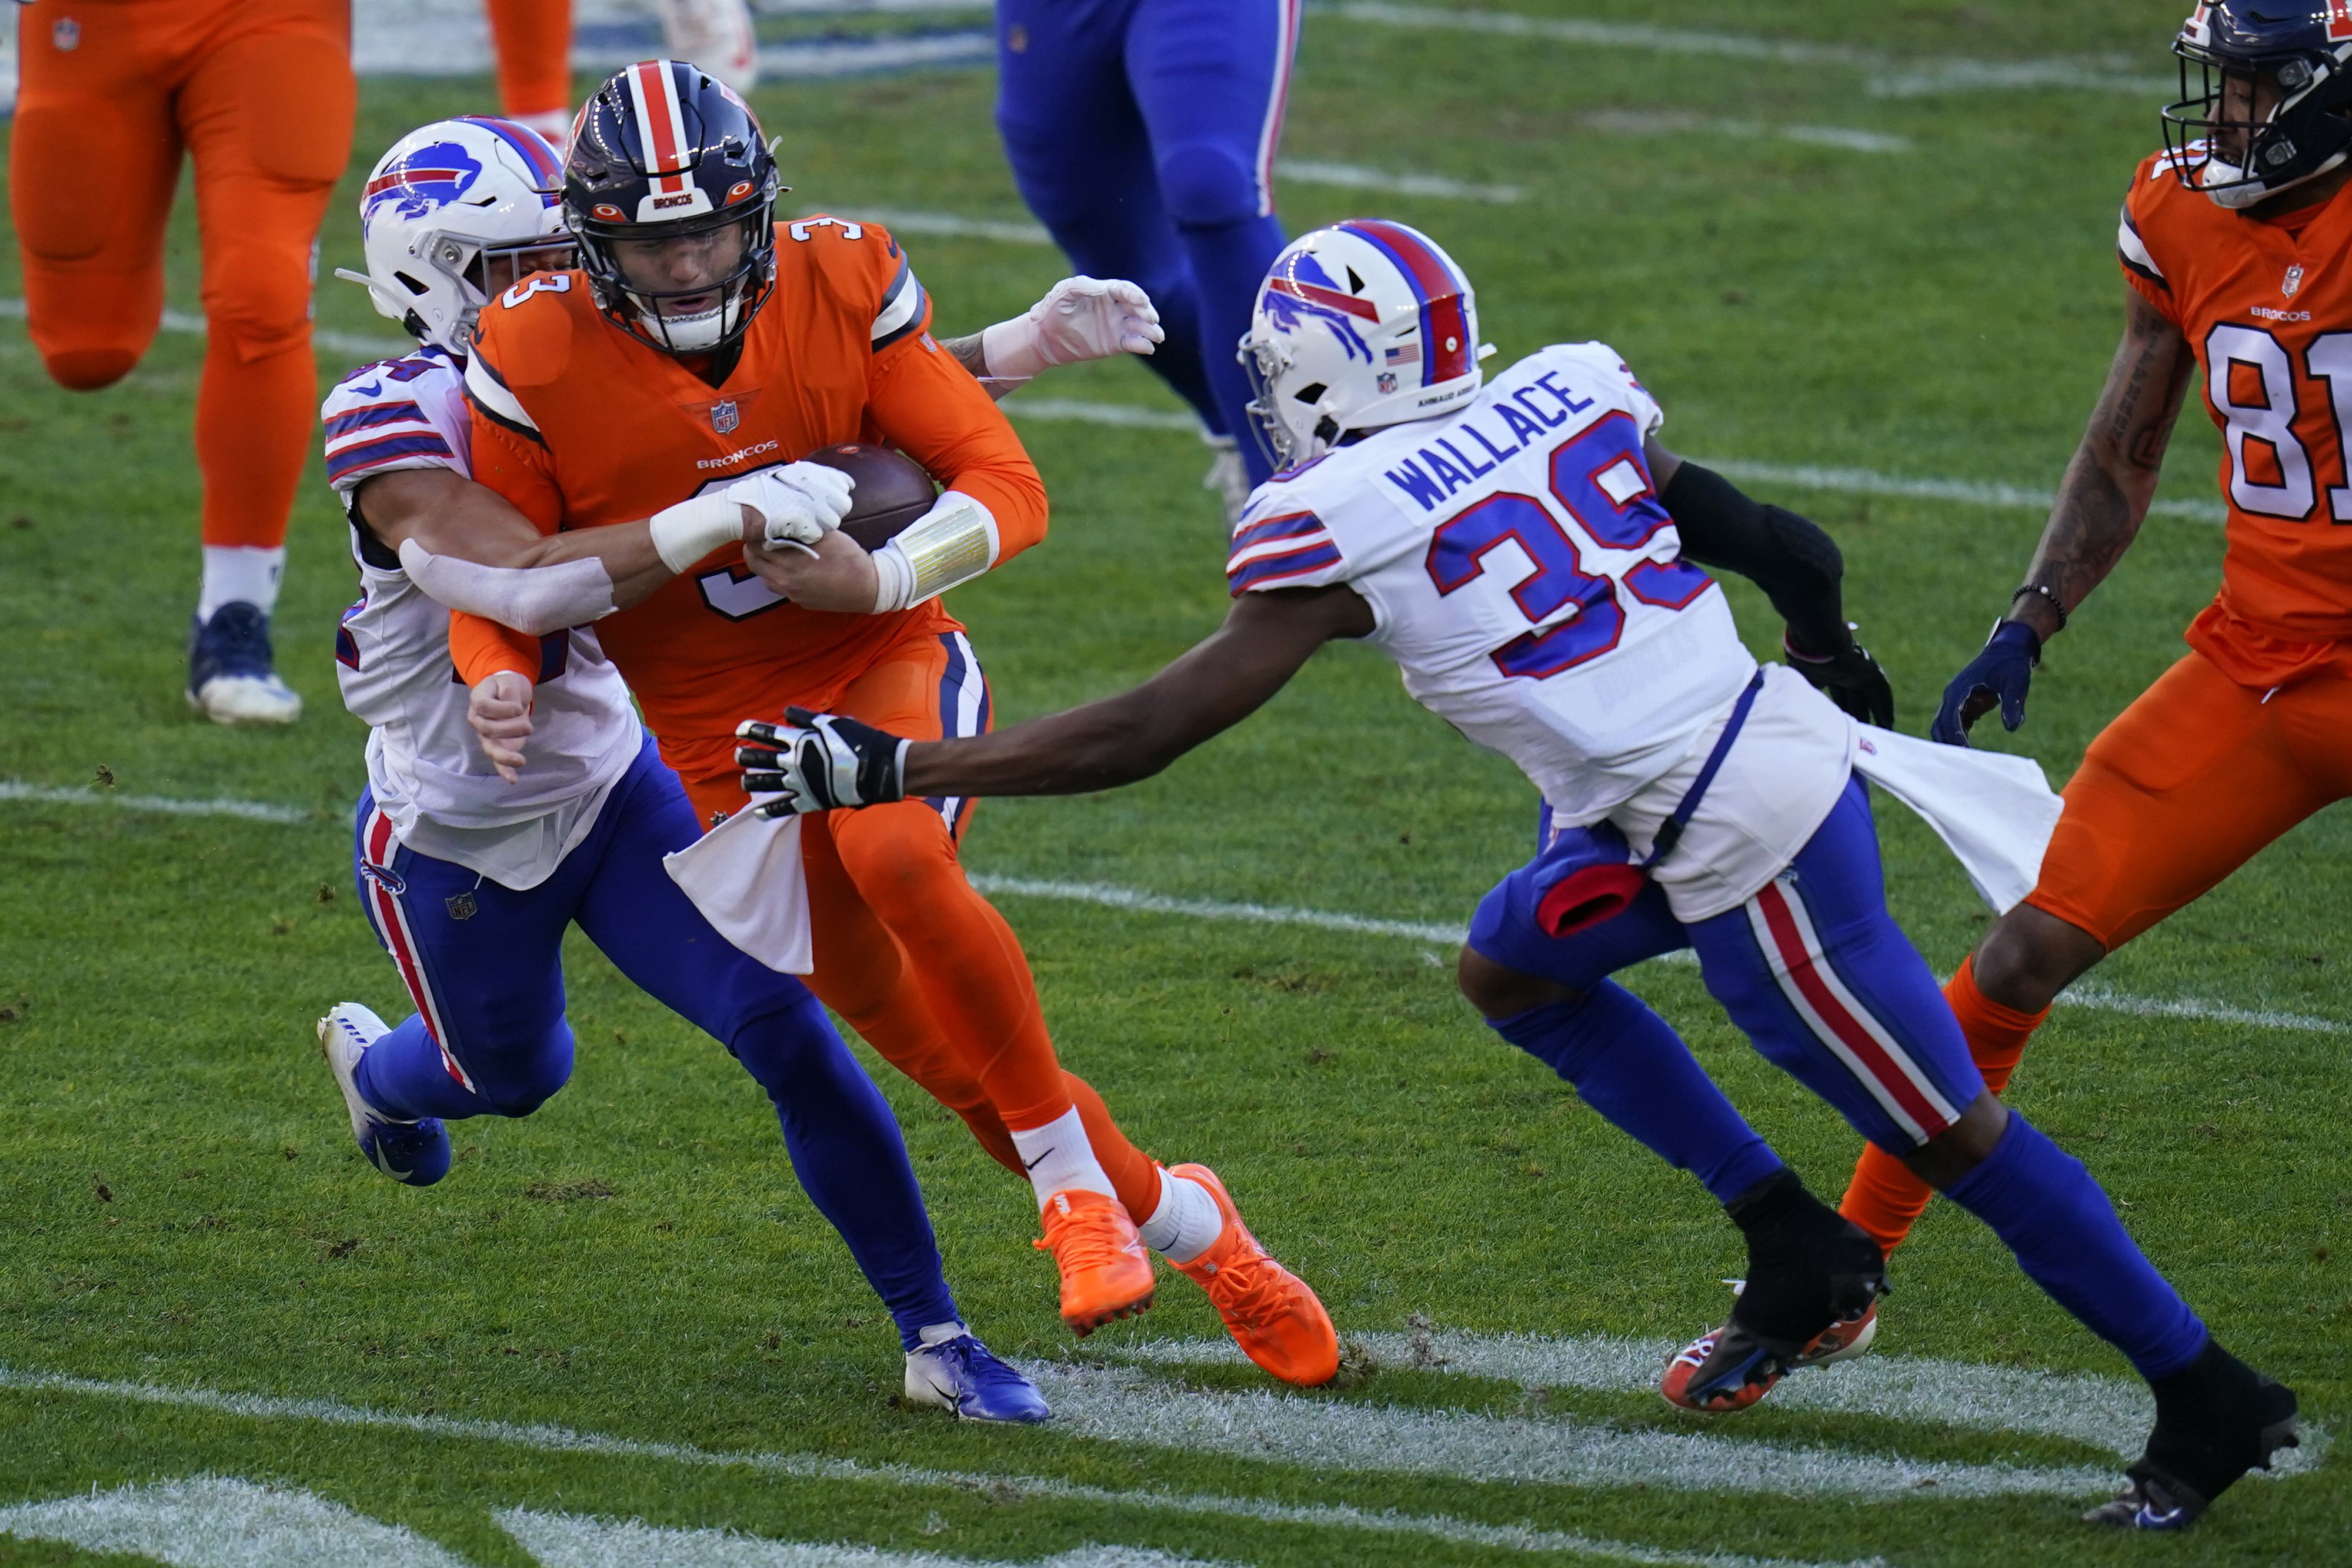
2266, 306
581, 423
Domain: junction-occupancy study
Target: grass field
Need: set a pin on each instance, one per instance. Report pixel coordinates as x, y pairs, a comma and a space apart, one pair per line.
623, 1307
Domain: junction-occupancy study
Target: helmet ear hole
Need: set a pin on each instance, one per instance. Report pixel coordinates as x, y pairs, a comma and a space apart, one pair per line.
411, 285
1311, 394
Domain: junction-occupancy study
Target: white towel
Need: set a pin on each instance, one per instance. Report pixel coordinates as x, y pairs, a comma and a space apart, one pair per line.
1994, 812
745, 877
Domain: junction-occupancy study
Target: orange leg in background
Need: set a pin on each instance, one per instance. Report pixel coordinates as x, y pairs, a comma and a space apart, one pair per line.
533, 39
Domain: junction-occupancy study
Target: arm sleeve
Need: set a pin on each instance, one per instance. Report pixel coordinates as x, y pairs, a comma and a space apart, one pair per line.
1797, 566
480, 649
929, 407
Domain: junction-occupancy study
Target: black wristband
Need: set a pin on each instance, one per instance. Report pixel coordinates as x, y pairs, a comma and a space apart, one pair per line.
2050, 594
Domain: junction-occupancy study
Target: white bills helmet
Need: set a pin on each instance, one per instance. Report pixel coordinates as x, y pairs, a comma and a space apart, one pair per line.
1360, 325
456, 211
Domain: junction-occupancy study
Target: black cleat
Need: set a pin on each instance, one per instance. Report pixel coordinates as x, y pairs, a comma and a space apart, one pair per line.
2214, 1422
1811, 1297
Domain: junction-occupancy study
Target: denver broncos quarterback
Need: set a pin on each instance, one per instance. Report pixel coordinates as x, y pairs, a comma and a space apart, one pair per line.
2232, 244
700, 341
470, 873
1514, 545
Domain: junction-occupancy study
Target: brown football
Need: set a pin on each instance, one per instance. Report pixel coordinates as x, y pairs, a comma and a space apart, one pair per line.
892, 490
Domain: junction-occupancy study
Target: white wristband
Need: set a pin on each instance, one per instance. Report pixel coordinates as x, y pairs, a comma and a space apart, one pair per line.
894, 579
685, 533
1009, 350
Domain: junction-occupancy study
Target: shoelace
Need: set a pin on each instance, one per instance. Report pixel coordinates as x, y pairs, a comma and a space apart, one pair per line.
1077, 1244
1252, 1289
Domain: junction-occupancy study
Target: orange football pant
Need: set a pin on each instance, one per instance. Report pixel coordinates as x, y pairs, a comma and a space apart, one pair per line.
2183, 787
260, 93
924, 968
533, 38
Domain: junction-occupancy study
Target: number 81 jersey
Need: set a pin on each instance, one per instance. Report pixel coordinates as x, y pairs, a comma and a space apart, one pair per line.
1521, 573
2267, 307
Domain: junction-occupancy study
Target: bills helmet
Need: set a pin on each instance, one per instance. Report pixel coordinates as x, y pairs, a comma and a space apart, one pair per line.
454, 212
2271, 104
669, 168
1360, 325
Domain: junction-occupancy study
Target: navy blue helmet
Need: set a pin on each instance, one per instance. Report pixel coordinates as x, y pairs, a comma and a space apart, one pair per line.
2271, 105
664, 154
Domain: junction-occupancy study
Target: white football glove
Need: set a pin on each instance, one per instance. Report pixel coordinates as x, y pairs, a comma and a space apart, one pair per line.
1079, 318
801, 503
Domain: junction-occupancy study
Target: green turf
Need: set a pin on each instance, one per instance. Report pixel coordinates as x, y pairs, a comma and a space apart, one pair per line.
180, 1202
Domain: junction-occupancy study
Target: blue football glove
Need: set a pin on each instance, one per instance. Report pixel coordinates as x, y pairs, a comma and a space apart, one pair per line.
819, 762
1998, 675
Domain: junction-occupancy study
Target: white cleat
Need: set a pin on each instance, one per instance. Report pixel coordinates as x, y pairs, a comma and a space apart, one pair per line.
414, 1153
246, 700
716, 34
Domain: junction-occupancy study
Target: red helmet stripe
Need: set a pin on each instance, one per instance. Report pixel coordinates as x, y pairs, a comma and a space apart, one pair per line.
661, 129
1445, 326
1316, 294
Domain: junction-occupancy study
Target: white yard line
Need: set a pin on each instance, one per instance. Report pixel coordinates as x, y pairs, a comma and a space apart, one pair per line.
1123, 1405
1006, 1489
1355, 177
1891, 75
1634, 123
1142, 901
578, 1540
902, 220
2109, 1413
219, 1522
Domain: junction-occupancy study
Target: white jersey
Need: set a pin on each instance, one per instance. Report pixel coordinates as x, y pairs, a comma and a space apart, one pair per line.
426, 766
1523, 574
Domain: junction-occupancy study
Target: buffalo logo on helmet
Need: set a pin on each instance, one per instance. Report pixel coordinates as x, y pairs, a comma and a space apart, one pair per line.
1304, 292
725, 417
423, 180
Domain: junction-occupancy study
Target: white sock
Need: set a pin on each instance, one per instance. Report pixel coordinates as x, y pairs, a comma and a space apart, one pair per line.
1186, 1223
1060, 1160
939, 1333
239, 572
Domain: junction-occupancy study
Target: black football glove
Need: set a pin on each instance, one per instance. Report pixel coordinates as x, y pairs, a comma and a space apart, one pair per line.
1850, 678
1999, 674
819, 762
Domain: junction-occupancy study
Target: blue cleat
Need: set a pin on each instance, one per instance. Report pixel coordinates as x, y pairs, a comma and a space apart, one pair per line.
417, 1153
232, 674
963, 1376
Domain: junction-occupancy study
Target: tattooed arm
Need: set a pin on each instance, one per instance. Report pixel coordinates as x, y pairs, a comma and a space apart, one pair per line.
2112, 478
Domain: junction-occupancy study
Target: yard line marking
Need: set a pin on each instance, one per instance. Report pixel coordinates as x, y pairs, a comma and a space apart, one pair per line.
1865, 481
1355, 177
1124, 1405
1142, 902
821, 59
1892, 77
447, 37
252, 810
900, 220
1630, 122
1075, 411
220, 1521
1005, 1488
581, 1541
2109, 1413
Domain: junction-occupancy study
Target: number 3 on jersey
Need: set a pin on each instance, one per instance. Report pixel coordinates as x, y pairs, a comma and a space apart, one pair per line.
1599, 482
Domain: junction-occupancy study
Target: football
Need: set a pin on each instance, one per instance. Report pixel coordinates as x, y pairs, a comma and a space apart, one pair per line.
893, 490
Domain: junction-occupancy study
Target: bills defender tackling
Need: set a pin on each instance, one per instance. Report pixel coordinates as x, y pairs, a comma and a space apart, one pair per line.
469, 865
1517, 546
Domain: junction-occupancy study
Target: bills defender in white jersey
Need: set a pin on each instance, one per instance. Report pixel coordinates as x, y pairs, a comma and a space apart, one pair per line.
1527, 551
494, 818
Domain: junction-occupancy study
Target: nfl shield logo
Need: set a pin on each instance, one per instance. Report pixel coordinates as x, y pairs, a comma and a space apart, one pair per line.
2293, 280
1388, 381
723, 417
461, 906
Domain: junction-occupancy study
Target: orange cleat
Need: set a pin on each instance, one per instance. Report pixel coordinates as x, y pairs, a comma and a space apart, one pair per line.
1105, 1272
1269, 1311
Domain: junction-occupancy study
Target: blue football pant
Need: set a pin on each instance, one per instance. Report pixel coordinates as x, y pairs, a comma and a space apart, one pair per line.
1817, 974
484, 965
1142, 135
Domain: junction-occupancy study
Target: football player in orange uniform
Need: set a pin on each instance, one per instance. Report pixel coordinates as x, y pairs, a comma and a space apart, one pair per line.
260, 92
699, 341
533, 41
2233, 244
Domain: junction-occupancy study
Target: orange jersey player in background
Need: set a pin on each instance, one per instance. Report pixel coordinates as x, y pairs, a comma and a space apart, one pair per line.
112, 94
532, 42
2240, 284
699, 341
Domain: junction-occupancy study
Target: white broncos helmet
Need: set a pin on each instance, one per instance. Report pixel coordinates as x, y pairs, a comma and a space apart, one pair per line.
1360, 325
454, 212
